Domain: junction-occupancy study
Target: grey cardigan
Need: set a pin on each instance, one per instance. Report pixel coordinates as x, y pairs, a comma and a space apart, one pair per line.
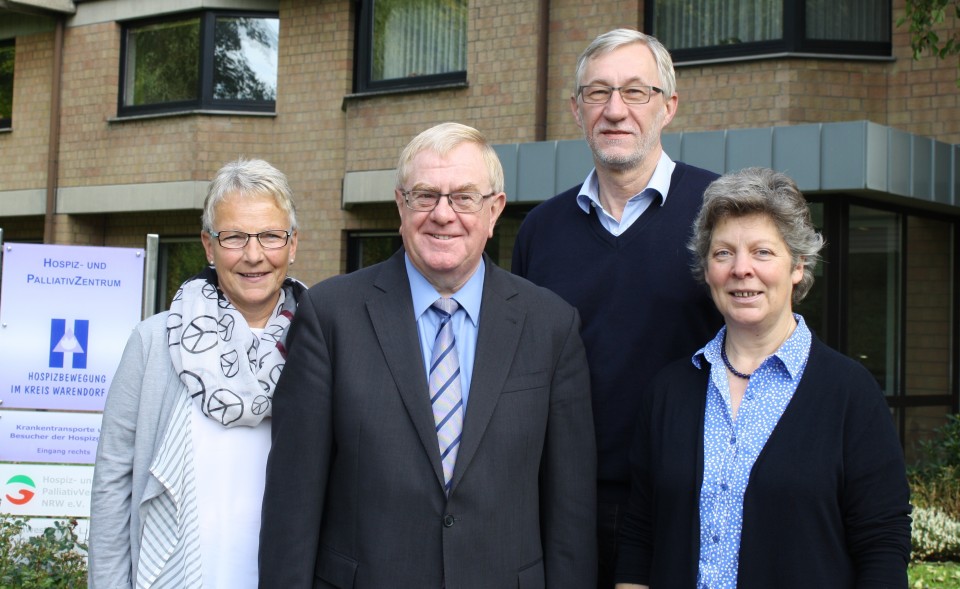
138, 409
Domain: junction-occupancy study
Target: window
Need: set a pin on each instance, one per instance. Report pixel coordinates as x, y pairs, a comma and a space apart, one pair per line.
887, 300
410, 44
7, 54
874, 293
695, 30
211, 60
178, 260
366, 248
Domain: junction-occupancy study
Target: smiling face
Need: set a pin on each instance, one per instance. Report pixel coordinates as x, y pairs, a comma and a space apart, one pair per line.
624, 136
443, 245
250, 277
750, 273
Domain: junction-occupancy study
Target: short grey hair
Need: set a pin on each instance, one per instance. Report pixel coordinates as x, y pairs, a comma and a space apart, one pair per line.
618, 38
248, 178
759, 191
443, 138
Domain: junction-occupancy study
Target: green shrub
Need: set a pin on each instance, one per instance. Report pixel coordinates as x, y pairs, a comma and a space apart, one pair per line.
935, 494
935, 483
935, 535
55, 559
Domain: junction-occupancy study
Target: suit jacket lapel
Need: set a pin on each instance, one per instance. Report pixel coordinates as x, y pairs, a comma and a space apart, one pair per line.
501, 322
391, 312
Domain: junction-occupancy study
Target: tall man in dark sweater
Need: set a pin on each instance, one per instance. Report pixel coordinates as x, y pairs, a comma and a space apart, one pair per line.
615, 248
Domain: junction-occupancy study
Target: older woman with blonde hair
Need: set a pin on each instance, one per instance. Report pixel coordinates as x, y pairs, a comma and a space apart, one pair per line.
768, 459
178, 482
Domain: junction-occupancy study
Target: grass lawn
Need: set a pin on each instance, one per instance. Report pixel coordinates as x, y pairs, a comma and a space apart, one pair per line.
934, 575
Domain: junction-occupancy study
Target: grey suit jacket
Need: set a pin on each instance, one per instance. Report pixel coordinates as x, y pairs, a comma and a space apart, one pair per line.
354, 494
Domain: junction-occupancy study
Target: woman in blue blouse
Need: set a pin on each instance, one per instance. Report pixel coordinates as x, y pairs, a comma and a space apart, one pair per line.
768, 460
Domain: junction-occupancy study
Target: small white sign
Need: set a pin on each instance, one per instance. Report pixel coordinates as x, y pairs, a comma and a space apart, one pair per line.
45, 490
66, 313
49, 436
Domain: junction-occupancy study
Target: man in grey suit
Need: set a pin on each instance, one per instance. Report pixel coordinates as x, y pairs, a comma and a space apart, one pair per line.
432, 427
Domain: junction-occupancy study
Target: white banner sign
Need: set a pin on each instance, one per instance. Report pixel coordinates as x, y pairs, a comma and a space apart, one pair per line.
45, 490
66, 313
49, 436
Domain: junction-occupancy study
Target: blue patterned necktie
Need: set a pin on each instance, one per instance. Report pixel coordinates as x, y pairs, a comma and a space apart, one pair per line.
445, 394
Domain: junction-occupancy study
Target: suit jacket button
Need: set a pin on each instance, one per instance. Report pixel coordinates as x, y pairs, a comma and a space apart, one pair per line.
448, 521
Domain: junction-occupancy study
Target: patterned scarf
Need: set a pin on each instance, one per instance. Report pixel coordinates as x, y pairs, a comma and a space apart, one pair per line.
229, 372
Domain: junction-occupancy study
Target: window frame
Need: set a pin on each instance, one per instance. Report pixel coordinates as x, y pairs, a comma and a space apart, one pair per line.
7, 123
205, 100
363, 82
165, 282
836, 292
793, 42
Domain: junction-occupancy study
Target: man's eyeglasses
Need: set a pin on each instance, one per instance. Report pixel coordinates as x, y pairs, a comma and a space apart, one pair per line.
596, 94
270, 240
427, 200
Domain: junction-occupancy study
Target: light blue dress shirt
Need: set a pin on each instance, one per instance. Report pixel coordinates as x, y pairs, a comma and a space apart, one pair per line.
660, 181
465, 320
730, 447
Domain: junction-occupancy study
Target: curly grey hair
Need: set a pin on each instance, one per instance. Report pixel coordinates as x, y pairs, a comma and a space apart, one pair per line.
759, 191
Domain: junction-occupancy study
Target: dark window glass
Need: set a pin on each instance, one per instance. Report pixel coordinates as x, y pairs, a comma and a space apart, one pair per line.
873, 280
179, 259
680, 25
366, 248
370, 247
888, 299
848, 20
7, 54
408, 43
205, 61
718, 29
163, 63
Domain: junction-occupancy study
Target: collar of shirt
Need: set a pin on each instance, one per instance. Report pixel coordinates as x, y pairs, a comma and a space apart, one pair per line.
465, 321
792, 354
424, 294
660, 181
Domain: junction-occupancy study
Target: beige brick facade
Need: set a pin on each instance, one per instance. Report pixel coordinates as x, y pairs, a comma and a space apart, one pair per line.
320, 131
25, 153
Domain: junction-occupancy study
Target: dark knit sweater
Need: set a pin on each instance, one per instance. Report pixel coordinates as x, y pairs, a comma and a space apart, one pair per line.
638, 301
826, 505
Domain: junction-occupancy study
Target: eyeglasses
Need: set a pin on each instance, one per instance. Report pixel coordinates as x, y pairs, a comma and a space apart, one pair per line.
629, 94
461, 202
270, 239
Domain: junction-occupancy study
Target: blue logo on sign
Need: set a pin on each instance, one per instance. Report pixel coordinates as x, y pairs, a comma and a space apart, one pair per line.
68, 340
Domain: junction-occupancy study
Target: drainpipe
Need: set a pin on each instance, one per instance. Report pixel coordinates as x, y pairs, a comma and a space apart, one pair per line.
543, 45
53, 145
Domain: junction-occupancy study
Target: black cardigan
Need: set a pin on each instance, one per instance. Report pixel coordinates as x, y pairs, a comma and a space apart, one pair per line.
827, 503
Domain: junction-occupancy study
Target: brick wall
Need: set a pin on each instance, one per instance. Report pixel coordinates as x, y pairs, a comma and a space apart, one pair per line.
319, 132
24, 150
919, 97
